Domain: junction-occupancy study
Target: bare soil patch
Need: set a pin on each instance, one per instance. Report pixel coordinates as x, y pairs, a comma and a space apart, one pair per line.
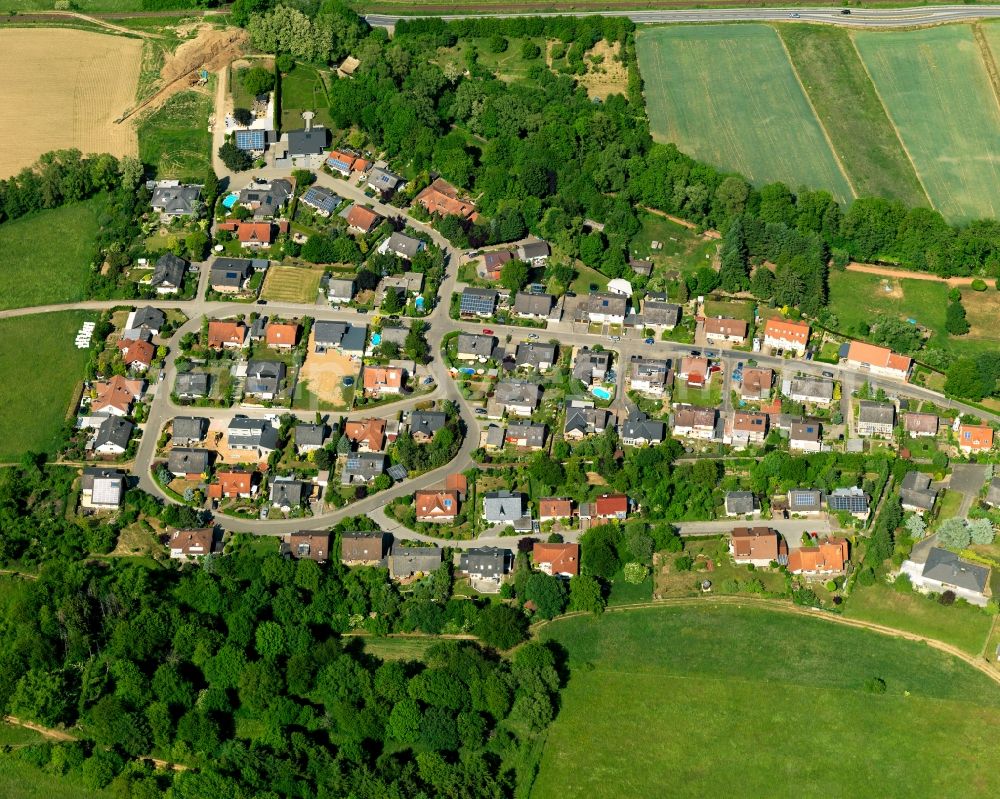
64, 88
890, 271
607, 77
982, 308
324, 374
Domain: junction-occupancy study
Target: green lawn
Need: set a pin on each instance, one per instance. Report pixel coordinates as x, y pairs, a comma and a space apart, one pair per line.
965, 627
20, 780
410, 648
13, 735
949, 504
937, 92
174, 140
727, 95
844, 97
45, 256
303, 89
683, 250
585, 277
708, 397
42, 368
714, 701
730, 310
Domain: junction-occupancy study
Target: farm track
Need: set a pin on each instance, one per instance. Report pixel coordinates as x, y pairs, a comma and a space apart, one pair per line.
906, 274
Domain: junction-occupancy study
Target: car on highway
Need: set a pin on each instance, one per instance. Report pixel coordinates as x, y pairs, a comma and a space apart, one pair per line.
795, 15
845, 11
649, 341
487, 331
827, 374
614, 338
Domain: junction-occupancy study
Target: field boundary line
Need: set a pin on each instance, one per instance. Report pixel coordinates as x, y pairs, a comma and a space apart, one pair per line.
815, 113
986, 55
892, 122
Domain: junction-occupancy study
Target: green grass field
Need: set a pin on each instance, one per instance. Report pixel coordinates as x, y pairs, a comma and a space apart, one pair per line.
42, 367
844, 97
725, 702
727, 95
303, 89
937, 91
45, 257
174, 140
291, 284
20, 780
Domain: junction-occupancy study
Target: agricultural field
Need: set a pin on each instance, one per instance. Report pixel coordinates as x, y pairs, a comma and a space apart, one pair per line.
68, 87
304, 89
727, 95
299, 284
174, 139
42, 368
45, 257
937, 91
677, 682
845, 99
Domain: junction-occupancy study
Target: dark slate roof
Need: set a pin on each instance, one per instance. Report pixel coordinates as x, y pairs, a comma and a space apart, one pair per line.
306, 142
915, 491
801, 500
169, 270
993, 492
409, 560
183, 460
114, 430
480, 301
532, 432
503, 506
307, 435
739, 502
946, 567
534, 354
518, 392
193, 383
533, 249
640, 426
427, 422
264, 377
192, 428
321, 199
488, 561
403, 246
876, 412
585, 419
287, 492
150, 317
475, 344
660, 313
176, 199
230, 271
853, 500
533, 304
92, 472
364, 466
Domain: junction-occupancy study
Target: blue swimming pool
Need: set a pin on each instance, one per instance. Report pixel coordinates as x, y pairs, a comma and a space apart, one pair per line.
419, 302
601, 393
376, 339
230, 201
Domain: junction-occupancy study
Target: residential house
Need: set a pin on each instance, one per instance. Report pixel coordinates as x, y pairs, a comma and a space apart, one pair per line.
168, 274
340, 290
474, 347
660, 314
478, 302
535, 355
345, 163
557, 560
189, 463
379, 381
308, 546
254, 140
526, 435
826, 560
323, 201
403, 246
975, 438
606, 308
945, 571
691, 421
741, 503
518, 397
916, 494
187, 430
853, 500
535, 253
877, 360
743, 429
341, 336
694, 371
782, 334
264, 379
259, 235
258, 436
486, 565
137, 355
367, 434
230, 275
361, 220
494, 261
171, 198
638, 430
232, 485
592, 366
112, 436
362, 548
805, 437
608, 507
805, 501
756, 385
726, 331
436, 506
405, 285
309, 437
641, 267
226, 335
492, 437
760, 546
188, 545
407, 562
383, 181
533, 306
361, 468
308, 142
115, 396
281, 335
101, 488
192, 385
555, 509
425, 424
808, 389
583, 419
144, 320
506, 508
287, 493
920, 425
876, 418
266, 198
441, 198
649, 375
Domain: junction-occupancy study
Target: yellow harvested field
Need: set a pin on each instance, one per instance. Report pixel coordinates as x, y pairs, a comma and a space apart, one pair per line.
64, 88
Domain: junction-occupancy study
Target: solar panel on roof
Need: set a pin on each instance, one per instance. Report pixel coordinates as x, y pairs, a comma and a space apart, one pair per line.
397, 472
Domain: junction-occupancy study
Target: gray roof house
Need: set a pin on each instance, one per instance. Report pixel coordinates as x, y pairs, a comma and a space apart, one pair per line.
189, 429
168, 274
518, 397
256, 435
808, 389
478, 302
362, 467
583, 419
660, 314
113, 436
533, 252
264, 378
191, 385
266, 198
402, 246
504, 507
147, 318
915, 492
527, 435
101, 488
853, 500
876, 418
805, 501
323, 201
230, 274
383, 181
186, 461
533, 306
407, 562
591, 366
945, 571
603, 306
535, 355
741, 503
474, 347
638, 430
306, 142
287, 493
649, 375
424, 424
488, 564
349, 339
339, 290
309, 437
172, 198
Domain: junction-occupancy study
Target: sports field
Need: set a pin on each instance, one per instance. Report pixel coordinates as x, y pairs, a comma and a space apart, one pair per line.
63, 88
727, 95
745, 702
298, 284
41, 368
937, 92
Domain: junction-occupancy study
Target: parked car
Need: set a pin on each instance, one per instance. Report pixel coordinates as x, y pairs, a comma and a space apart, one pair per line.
845, 11
487, 331
649, 341
827, 374
532, 336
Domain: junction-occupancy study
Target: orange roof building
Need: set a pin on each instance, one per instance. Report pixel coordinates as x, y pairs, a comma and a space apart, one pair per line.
975, 438
830, 557
552, 508
730, 330
878, 360
559, 560
368, 434
226, 335
379, 380
436, 506
189, 544
611, 506
233, 484
255, 234
758, 545
787, 335
457, 482
362, 219
115, 396
694, 370
442, 198
137, 352
281, 335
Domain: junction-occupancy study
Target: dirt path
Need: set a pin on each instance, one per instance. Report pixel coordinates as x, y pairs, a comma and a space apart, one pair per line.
42, 16
891, 271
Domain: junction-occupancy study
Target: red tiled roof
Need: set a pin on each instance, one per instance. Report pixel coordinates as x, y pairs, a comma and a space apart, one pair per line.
377, 377
278, 334
859, 352
221, 333
785, 330
137, 351
562, 558
611, 504
436, 504
233, 484
829, 556
362, 218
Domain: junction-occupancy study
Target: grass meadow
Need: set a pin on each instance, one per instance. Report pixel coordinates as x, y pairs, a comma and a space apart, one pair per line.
845, 99
744, 702
45, 257
42, 367
174, 140
937, 91
291, 284
727, 95
303, 89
